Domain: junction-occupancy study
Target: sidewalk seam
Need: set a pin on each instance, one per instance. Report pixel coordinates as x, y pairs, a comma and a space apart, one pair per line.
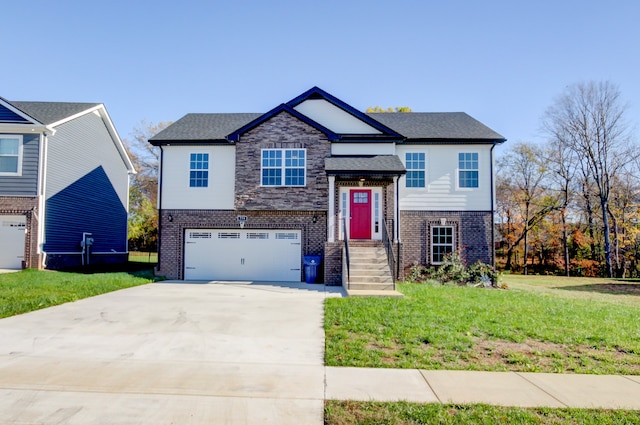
542, 389
429, 385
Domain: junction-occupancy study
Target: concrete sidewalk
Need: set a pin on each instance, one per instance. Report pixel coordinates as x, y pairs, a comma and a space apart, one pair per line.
497, 388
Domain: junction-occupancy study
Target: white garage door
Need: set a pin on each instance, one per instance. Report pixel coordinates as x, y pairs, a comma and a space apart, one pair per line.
236, 254
12, 239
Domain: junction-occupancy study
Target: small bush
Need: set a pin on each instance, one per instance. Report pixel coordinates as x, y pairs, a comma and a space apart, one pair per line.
453, 270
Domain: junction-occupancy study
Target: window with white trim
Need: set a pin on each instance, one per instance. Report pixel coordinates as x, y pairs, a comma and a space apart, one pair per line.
283, 167
442, 243
415, 165
468, 169
10, 155
199, 170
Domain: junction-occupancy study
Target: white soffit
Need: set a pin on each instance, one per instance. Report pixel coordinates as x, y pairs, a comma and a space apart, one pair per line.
334, 118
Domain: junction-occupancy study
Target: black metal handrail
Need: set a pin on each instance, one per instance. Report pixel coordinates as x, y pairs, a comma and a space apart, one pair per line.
388, 246
346, 250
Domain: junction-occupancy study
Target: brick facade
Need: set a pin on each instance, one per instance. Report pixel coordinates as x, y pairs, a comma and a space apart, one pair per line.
27, 206
472, 235
313, 226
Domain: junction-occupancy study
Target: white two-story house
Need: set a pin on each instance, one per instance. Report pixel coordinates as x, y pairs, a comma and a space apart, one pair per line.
246, 196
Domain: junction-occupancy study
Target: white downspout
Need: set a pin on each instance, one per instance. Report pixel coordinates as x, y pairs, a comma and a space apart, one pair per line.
396, 222
42, 193
331, 217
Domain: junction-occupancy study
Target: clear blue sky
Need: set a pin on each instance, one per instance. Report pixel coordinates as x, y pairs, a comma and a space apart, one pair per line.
502, 62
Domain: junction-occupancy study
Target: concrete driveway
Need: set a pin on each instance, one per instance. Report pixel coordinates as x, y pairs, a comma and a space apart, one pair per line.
169, 353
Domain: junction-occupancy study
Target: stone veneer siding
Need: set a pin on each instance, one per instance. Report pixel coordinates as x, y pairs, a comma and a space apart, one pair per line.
283, 131
171, 261
472, 230
27, 206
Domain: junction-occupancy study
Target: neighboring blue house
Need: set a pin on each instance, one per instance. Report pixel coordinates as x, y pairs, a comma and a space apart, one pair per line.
64, 186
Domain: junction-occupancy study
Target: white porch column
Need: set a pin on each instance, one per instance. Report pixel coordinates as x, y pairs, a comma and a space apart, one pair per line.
331, 214
396, 209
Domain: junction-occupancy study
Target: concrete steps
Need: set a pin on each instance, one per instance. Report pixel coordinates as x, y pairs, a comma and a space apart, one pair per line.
368, 267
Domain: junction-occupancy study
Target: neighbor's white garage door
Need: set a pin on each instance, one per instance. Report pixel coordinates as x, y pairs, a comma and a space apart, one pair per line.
12, 239
236, 254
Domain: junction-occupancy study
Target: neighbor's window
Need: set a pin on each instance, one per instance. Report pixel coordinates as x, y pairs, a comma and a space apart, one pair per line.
415, 169
10, 155
283, 167
199, 170
468, 169
442, 243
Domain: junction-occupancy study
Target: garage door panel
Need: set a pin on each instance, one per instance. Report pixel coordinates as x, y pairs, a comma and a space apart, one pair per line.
236, 254
12, 237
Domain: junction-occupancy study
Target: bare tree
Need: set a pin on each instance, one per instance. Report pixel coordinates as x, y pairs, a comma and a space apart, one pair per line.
562, 165
521, 175
589, 119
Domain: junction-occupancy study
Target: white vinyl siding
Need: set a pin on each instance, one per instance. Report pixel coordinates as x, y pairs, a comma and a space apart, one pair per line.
175, 178
441, 191
334, 118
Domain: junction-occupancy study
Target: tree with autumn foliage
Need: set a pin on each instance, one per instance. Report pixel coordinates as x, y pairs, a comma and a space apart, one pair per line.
143, 187
523, 200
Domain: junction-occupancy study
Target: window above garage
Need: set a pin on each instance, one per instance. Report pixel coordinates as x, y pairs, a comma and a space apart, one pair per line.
283, 167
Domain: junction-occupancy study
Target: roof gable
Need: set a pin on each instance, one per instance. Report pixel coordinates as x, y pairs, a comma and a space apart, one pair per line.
235, 136
10, 114
53, 113
339, 116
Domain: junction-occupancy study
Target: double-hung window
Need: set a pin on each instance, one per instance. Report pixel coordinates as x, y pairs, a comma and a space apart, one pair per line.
283, 167
442, 243
199, 170
468, 169
10, 155
415, 169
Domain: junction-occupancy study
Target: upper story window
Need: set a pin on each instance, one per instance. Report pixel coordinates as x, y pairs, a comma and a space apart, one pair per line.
415, 169
468, 169
10, 155
199, 170
283, 167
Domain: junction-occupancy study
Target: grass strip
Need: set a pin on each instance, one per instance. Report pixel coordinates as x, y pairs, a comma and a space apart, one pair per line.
402, 413
30, 290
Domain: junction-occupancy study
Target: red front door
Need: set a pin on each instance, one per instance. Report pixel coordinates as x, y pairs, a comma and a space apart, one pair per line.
360, 209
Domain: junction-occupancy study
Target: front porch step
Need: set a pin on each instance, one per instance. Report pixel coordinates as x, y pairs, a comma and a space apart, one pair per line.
371, 286
368, 267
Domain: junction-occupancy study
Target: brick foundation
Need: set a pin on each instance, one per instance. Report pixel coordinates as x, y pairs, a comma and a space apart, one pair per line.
472, 231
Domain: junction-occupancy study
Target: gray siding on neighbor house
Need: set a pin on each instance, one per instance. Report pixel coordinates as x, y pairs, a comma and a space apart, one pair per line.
27, 183
86, 189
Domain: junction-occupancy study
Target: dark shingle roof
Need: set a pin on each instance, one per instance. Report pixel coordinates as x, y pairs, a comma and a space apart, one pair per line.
413, 126
51, 112
204, 127
385, 164
436, 125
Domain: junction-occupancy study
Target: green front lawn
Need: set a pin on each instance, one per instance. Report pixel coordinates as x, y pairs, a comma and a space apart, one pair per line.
30, 290
550, 328
372, 413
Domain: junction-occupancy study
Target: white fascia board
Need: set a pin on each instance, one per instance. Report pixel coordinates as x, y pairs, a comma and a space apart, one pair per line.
26, 128
102, 111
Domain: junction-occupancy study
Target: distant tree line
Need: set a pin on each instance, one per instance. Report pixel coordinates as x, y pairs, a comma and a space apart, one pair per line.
572, 205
